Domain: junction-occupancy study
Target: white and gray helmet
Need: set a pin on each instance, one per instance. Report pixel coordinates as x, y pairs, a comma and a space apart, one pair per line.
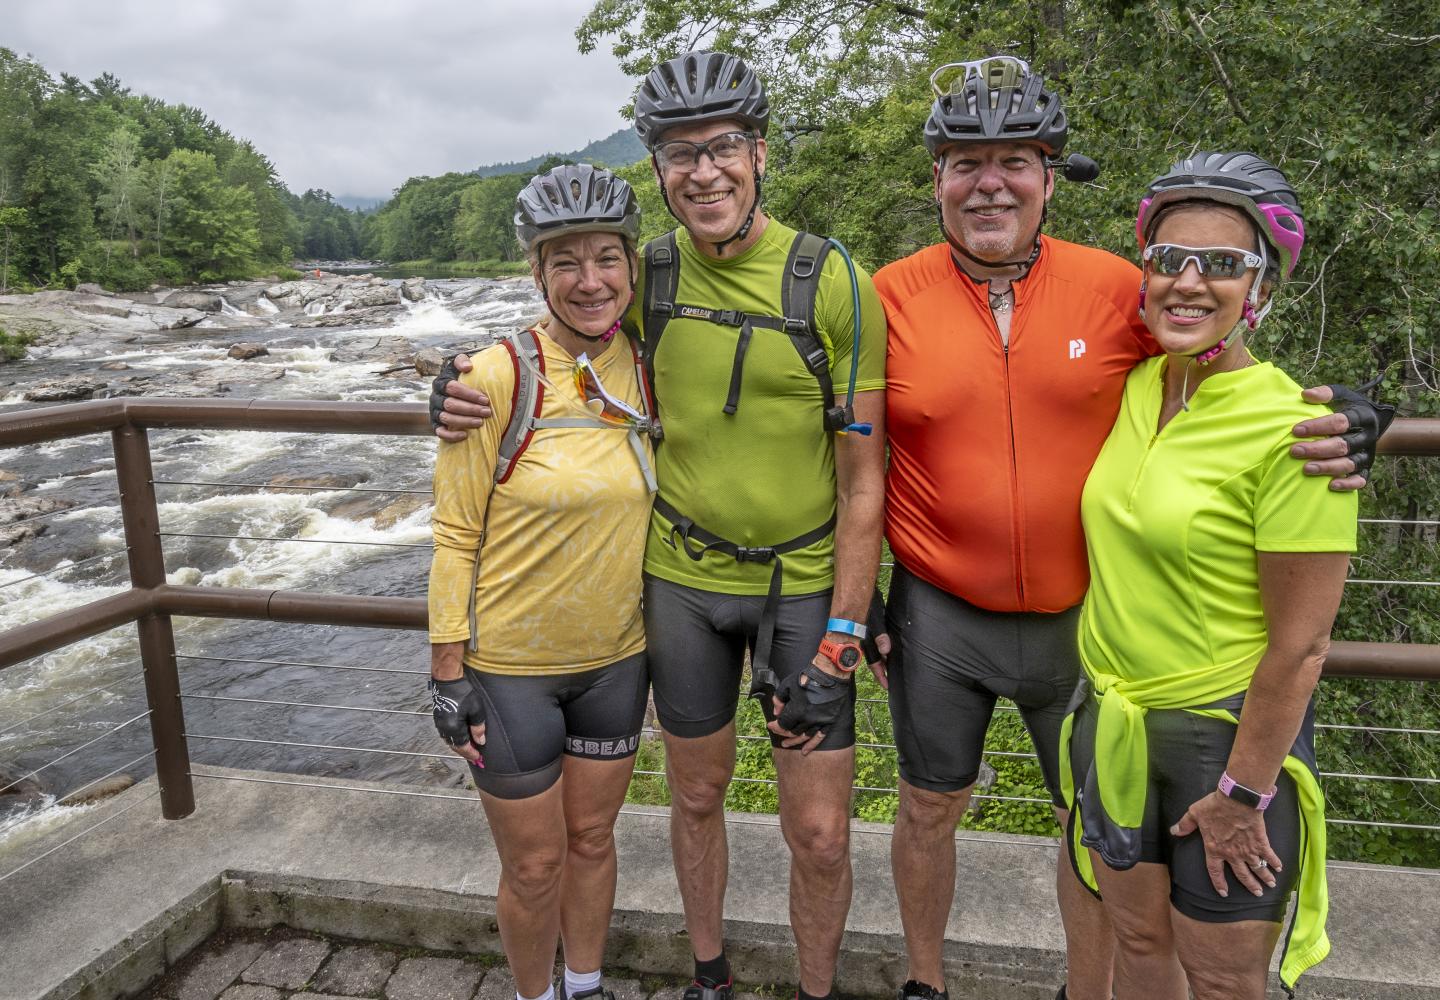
575, 198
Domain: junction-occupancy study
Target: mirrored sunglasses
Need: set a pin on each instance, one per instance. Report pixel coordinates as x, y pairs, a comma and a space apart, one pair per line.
1213, 262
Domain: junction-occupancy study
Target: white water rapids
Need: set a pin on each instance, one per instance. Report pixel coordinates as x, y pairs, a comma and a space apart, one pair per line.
220, 657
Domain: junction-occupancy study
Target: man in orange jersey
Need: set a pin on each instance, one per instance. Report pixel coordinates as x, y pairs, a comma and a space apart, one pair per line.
1007, 356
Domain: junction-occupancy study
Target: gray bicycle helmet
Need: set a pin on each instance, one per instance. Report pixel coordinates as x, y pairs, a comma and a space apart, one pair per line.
575, 198
1243, 180
699, 87
997, 99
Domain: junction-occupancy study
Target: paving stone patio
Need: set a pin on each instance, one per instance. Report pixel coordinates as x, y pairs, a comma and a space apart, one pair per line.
283, 964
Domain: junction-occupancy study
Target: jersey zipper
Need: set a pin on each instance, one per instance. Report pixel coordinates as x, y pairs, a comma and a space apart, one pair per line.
1016, 531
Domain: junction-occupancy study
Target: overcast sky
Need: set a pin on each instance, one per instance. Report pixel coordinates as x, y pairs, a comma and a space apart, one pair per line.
351, 96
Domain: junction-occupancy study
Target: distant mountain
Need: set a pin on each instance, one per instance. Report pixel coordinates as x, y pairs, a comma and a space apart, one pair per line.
360, 202
620, 149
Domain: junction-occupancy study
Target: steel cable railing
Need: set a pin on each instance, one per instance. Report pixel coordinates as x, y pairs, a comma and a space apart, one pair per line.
70, 701
74, 750
63, 568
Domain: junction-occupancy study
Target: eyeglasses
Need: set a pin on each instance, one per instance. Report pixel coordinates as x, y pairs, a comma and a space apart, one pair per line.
613, 410
1213, 262
724, 150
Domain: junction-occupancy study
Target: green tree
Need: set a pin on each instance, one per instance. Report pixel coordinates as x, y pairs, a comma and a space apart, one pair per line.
214, 230
485, 223
12, 223
120, 176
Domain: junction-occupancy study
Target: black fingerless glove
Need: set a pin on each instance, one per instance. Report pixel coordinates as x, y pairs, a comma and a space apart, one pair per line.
815, 705
448, 374
1368, 420
874, 627
457, 706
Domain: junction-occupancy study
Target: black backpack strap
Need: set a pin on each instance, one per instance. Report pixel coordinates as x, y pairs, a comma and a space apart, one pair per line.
662, 281
799, 288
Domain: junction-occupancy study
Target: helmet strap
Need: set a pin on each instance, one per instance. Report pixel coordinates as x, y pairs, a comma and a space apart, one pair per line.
958, 247
745, 226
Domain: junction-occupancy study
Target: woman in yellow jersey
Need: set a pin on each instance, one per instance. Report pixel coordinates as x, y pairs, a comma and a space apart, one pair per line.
537, 662
1216, 572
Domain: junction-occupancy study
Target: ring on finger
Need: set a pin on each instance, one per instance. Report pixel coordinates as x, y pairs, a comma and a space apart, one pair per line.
1260, 865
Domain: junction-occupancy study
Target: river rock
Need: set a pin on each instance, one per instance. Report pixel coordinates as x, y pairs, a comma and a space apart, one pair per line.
90, 288
429, 361
413, 289
114, 366
15, 511
392, 350
383, 294
204, 301
319, 481
98, 790
19, 786
245, 352
60, 390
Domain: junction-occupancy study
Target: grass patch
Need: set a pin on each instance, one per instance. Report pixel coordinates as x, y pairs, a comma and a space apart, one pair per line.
13, 345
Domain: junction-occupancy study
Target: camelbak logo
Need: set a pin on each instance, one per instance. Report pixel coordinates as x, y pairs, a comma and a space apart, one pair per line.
1077, 348
694, 312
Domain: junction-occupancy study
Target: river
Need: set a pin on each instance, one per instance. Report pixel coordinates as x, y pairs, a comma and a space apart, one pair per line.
220, 659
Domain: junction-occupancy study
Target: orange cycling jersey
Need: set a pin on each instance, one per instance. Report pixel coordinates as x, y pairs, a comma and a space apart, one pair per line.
990, 444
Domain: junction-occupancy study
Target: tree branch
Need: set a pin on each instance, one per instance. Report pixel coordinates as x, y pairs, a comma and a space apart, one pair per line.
1225, 82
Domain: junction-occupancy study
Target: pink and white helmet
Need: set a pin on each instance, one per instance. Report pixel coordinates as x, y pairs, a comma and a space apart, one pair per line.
1243, 180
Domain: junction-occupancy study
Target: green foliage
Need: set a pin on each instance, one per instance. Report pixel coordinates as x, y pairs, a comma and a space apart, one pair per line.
124, 189
328, 231
1339, 93
12, 345
419, 222
617, 149
485, 222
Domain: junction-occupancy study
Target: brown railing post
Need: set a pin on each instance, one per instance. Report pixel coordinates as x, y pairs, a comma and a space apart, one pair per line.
157, 639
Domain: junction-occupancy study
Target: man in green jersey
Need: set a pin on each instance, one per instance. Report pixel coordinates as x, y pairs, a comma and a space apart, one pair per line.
766, 531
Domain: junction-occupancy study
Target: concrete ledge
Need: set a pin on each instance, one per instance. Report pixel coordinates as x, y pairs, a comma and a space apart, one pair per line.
105, 915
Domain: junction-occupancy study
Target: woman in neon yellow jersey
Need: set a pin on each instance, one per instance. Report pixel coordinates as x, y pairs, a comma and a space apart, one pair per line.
538, 666
1216, 572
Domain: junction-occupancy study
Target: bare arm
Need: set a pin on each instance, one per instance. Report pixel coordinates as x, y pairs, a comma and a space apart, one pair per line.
1300, 592
860, 516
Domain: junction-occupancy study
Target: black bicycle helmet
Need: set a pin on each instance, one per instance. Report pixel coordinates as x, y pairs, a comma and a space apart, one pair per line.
1255, 186
995, 100
699, 87
575, 198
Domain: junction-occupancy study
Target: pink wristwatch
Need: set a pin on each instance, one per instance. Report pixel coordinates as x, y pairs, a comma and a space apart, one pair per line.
1232, 789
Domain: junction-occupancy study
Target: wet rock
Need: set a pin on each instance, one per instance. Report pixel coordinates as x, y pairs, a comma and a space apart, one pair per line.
246, 351
114, 366
90, 288
322, 481
103, 309
74, 387
429, 361
204, 301
98, 790
19, 786
388, 349
383, 294
382, 511
413, 289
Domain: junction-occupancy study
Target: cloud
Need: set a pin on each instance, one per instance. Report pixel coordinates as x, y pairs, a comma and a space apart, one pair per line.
352, 97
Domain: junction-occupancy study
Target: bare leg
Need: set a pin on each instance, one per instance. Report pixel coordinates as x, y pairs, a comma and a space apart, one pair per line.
530, 837
593, 793
698, 772
1225, 961
1089, 940
922, 860
815, 819
1138, 902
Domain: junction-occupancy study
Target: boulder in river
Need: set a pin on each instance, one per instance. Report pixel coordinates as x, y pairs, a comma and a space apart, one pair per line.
413, 289
428, 361
15, 514
114, 366
382, 294
61, 390
204, 301
317, 481
244, 352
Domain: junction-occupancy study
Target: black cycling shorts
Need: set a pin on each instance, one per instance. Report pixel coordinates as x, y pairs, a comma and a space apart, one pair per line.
533, 720
948, 664
697, 642
1187, 755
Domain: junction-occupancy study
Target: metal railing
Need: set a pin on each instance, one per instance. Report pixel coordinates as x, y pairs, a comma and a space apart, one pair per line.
151, 603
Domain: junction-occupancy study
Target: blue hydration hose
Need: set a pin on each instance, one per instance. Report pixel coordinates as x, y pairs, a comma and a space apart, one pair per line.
852, 425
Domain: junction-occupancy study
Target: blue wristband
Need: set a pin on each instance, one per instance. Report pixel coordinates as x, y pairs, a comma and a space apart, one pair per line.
847, 627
